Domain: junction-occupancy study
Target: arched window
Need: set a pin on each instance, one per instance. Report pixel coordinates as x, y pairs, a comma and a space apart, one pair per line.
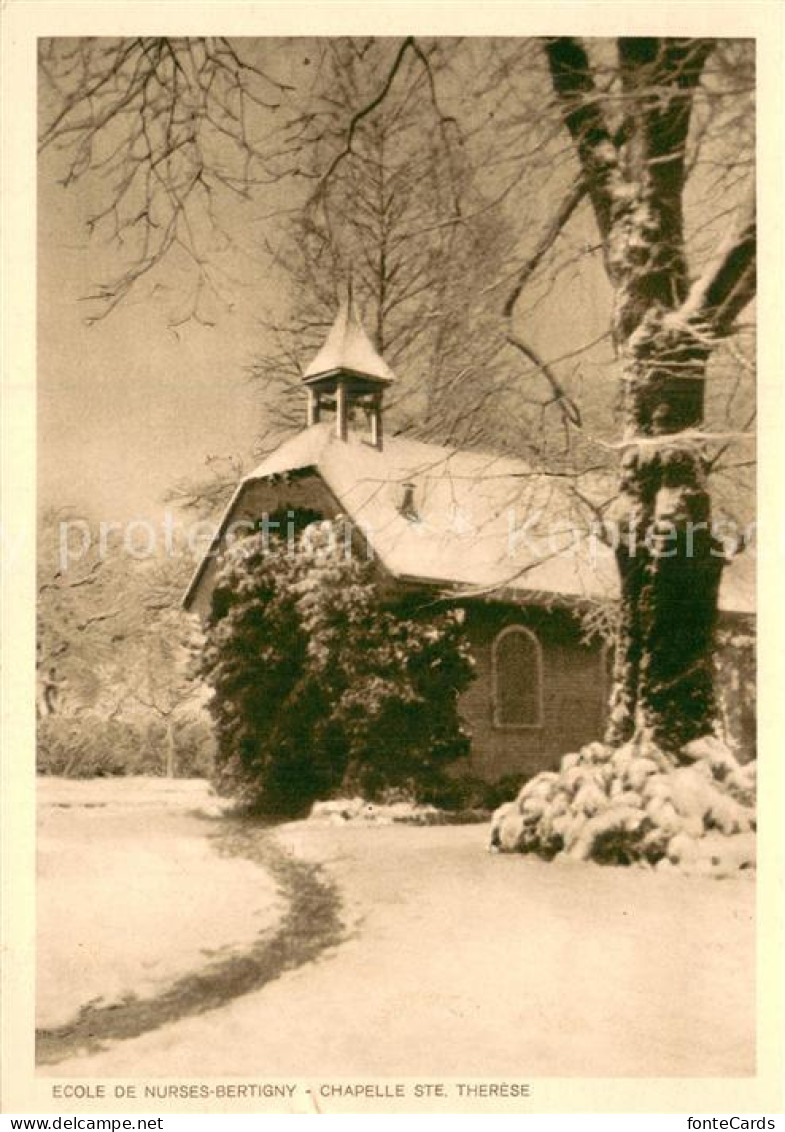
517, 678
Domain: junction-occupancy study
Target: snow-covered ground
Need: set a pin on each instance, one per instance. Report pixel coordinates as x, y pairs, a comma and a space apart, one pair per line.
455, 961
131, 894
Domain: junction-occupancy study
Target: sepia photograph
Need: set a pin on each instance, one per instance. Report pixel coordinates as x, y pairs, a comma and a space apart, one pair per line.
395, 606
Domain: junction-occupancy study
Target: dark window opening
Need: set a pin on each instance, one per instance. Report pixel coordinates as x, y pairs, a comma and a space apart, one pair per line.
517, 678
288, 523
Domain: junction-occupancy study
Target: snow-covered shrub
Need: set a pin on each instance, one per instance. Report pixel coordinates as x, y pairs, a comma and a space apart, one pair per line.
633, 804
320, 688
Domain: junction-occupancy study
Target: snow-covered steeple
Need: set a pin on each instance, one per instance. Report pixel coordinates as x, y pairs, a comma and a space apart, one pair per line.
348, 372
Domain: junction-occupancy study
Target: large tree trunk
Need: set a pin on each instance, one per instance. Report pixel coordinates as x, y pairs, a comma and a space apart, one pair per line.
670, 565
664, 327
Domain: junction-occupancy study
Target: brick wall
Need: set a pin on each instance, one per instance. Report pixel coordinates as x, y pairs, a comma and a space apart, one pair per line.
574, 693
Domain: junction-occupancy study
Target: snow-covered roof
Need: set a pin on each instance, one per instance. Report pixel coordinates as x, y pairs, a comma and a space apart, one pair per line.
480, 522
348, 347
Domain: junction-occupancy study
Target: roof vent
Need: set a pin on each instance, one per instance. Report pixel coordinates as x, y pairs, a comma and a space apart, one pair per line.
406, 505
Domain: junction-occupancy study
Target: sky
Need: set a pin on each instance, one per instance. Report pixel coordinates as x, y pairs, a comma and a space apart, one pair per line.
126, 407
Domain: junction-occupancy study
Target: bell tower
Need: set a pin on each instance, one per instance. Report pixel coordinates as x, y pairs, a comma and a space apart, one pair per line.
347, 375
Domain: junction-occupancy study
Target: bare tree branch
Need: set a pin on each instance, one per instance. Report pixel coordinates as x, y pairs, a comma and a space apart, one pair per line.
369, 107
728, 284
570, 202
569, 410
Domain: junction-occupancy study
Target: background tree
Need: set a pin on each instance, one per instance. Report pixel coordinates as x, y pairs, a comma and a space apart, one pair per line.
398, 211
84, 610
113, 680
156, 685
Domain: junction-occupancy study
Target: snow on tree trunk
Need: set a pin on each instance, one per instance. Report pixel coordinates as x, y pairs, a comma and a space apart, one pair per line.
631, 149
669, 563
